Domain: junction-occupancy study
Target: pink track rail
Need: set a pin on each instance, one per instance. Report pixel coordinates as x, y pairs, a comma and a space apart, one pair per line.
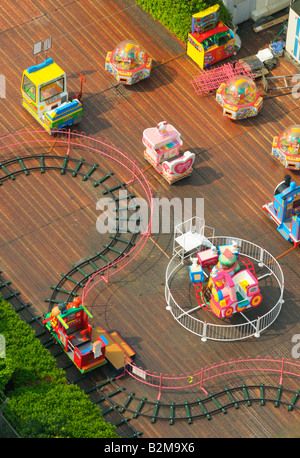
161, 381
24, 141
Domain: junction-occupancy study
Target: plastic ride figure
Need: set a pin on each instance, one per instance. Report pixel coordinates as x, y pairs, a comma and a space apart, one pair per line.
285, 210
162, 151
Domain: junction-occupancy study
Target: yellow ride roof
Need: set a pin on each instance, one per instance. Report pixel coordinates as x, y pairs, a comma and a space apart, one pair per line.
212, 9
44, 72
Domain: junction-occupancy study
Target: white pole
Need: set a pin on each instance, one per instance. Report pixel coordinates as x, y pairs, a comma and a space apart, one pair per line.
203, 338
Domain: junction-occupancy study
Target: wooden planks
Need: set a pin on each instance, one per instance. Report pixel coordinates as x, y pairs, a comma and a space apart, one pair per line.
271, 23
233, 173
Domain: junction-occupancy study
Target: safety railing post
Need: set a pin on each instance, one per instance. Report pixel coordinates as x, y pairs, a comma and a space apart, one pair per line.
160, 385
168, 300
69, 141
257, 333
261, 257
203, 338
281, 372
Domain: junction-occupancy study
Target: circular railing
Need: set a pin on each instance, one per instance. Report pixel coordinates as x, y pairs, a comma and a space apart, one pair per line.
227, 332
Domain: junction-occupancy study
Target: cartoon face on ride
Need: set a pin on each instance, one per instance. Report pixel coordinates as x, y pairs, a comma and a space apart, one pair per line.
227, 284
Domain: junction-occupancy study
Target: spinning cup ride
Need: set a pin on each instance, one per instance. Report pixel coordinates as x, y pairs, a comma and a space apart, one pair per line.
229, 287
239, 98
128, 63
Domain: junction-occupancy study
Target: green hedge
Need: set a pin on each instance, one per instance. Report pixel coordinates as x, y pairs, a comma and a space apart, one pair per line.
40, 398
176, 15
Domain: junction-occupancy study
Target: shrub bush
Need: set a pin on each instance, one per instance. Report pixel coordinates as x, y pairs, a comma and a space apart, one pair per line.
40, 398
176, 15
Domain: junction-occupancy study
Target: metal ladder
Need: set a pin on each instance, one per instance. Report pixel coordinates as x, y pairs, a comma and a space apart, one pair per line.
284, 77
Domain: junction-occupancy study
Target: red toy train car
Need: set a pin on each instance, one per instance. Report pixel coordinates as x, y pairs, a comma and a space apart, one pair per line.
88, 348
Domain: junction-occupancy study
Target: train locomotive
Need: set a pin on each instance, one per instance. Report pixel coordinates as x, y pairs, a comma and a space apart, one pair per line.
230, 286
71, 326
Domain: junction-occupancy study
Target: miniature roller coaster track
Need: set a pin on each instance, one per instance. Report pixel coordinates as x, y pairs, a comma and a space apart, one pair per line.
119, 243
103, 389
207, 406
119, 407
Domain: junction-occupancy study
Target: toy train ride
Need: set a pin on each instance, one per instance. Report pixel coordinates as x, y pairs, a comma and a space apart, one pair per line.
71, 326
225, 283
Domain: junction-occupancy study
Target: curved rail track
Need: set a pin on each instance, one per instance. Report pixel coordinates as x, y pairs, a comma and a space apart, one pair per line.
118, 244
119, 407
116, 404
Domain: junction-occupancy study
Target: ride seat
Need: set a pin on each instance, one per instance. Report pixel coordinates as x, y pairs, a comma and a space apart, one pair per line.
244, 284
85, 333
79, 338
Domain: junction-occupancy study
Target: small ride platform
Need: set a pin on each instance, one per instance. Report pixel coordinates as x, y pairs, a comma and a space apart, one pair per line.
118, 352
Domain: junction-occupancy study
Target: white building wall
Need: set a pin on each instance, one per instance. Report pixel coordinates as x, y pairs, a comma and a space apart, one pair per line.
242, 10
268, 7
291, 35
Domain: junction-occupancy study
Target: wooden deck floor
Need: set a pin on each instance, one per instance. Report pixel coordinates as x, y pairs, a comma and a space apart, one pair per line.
233, 172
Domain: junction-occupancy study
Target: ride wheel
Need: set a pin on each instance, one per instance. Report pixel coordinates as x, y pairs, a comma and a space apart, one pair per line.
256, 300
228, 312
240, 308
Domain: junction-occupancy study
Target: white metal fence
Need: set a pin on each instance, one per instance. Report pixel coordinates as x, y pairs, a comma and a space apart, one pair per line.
221, 331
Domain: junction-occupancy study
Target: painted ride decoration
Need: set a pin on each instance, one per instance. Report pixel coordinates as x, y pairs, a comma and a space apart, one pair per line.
45, 96
162, 146
128, 63
71, 326
285, 210
224, 283
210, 40
286, 148
239, 98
